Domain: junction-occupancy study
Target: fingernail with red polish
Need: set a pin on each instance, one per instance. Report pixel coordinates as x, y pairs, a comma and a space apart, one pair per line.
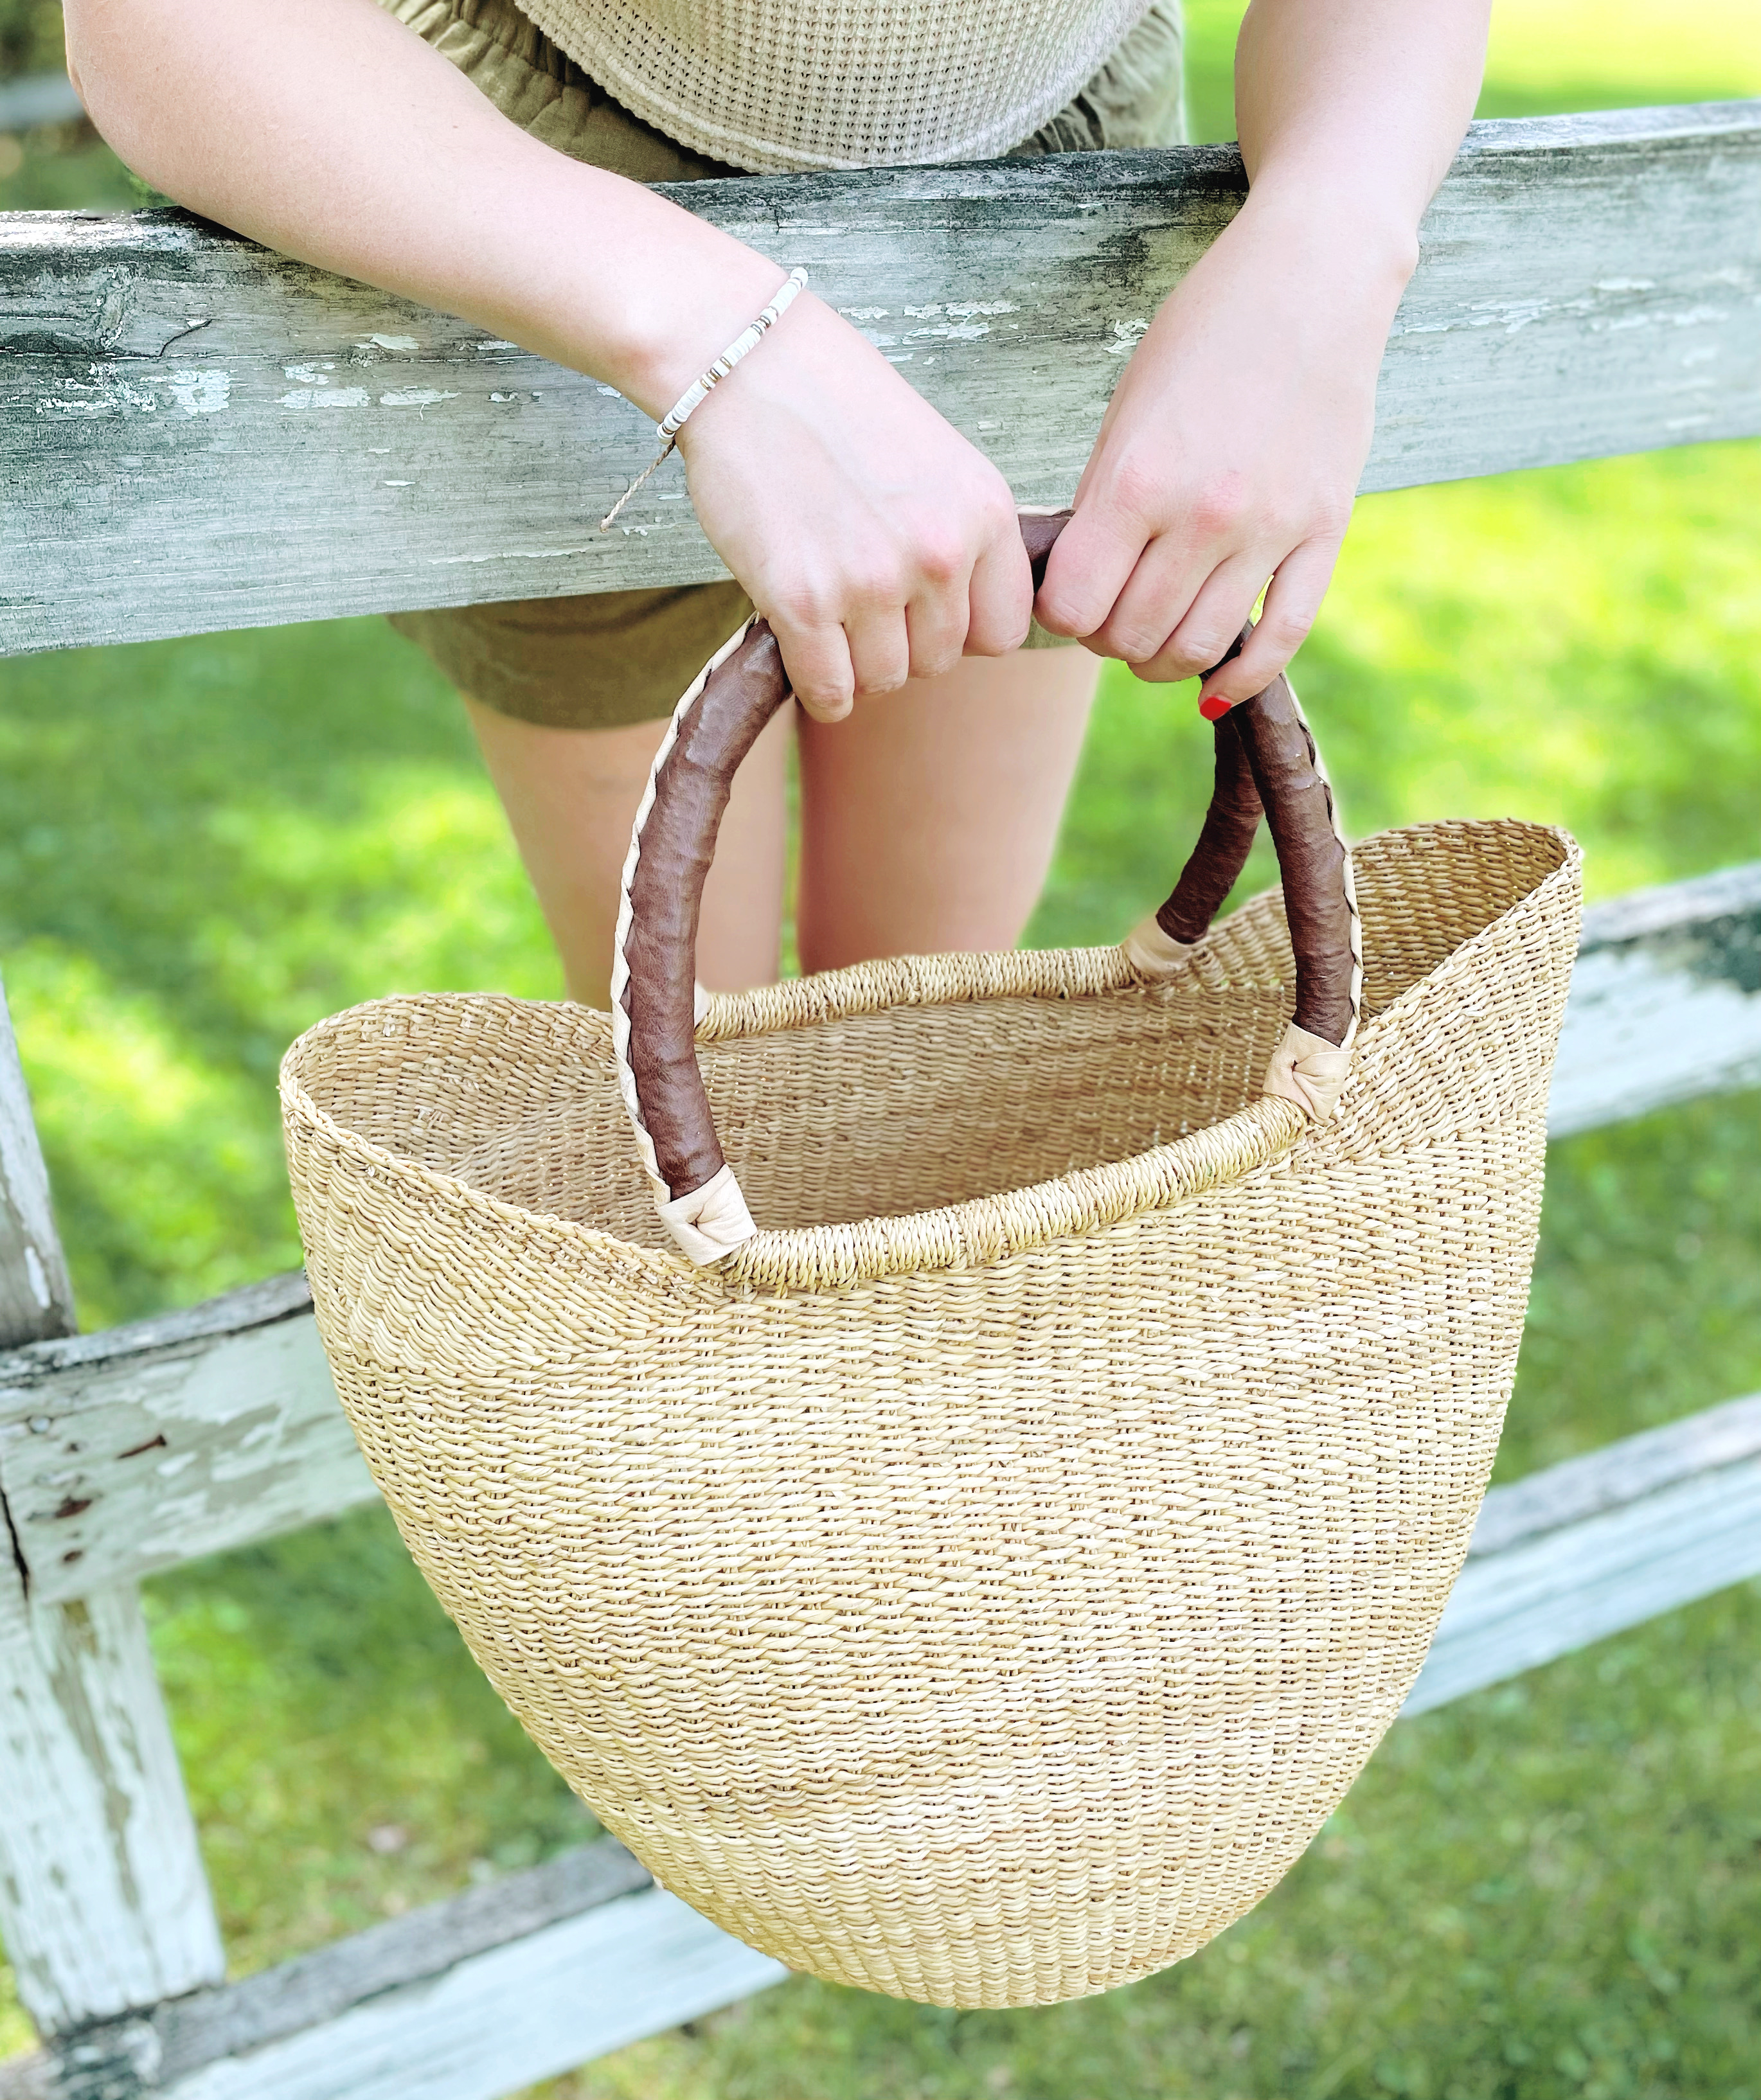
1213, 707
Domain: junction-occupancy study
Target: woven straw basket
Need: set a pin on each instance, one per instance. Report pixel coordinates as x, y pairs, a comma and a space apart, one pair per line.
981, 1589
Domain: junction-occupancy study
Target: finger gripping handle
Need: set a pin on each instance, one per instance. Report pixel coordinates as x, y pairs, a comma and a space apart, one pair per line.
1265, 758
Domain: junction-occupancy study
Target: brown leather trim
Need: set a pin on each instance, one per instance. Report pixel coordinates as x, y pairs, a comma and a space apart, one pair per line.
1299, 808
1039, 530
691, 790
1221, 852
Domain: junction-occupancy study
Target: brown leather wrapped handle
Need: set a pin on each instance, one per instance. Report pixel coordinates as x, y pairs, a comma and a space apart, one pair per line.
1265, 759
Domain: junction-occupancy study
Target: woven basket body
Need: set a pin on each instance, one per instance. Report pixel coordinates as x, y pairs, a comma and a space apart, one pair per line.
981, 1598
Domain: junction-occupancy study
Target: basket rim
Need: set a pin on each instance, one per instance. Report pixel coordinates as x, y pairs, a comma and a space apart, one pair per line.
984, 1230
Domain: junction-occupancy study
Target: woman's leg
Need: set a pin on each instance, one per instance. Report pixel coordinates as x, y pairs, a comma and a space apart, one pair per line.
570, 796
929, 817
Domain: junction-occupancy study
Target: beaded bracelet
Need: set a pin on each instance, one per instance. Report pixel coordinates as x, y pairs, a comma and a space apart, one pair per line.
667, 429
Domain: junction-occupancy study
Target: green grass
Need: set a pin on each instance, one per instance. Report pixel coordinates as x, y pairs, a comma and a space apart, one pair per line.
1551, 1889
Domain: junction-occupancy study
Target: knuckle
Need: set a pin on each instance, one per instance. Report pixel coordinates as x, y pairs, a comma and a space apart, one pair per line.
884, 678
1198, 651
1287, 630
1136, 487
806, 601
1137, 643
1220, 508
941, 557
876, 584
1064, 614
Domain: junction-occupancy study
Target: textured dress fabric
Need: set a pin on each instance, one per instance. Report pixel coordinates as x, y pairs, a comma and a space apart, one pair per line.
616, 657
778, 86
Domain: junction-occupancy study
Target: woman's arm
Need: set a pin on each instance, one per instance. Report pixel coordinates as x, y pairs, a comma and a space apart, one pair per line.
1232, 446
879, 542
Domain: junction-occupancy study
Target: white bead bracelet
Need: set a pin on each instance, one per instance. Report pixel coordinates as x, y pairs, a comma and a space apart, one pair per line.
667, 429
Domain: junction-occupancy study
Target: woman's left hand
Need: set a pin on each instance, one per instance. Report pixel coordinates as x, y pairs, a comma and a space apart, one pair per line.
1231, 451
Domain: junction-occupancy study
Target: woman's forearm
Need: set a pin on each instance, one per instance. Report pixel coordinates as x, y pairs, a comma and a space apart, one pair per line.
1352, 109
873, 536
330, 132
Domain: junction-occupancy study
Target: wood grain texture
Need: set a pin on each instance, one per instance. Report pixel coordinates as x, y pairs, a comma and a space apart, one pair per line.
36, 1298
1665, 999
627, 1961
125, 1453
203, 435
103, 1903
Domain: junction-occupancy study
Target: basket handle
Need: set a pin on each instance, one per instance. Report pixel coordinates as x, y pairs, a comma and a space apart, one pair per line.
1265, 758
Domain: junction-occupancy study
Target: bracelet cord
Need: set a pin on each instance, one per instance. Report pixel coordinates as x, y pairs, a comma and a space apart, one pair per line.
667, 429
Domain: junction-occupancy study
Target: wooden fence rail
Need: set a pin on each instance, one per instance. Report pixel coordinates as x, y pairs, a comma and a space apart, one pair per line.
195, 434
199, 435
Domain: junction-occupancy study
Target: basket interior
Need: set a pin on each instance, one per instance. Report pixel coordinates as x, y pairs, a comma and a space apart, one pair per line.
881, 1113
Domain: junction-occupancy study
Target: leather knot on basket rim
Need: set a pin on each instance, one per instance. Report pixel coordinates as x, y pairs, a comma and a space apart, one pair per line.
1266, 762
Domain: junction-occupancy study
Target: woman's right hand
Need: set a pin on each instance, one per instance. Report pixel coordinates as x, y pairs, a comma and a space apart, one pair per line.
878, 543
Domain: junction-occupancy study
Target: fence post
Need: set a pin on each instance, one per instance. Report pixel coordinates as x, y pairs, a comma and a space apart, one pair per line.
103, 1903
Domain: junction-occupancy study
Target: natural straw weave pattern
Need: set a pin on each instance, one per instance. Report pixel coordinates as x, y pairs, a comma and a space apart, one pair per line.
979, 1597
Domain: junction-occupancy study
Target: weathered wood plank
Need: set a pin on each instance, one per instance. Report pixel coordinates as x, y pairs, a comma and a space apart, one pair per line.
128, 1453
1618, 1475
203, 435
1557, 1592
103, 1903
464, 2000
1666, 1000
36, 1298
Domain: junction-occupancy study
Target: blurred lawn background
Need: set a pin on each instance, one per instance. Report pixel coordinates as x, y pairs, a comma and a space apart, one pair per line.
1551, 1889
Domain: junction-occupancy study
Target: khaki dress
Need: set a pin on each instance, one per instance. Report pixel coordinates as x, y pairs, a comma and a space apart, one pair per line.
614, 657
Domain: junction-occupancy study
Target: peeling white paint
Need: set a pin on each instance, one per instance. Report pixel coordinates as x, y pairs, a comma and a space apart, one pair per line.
327, 397
103, 395
394, 342
415, 397
200, 393
495, 343
1510, 314
37, 1277
1127, 335
864, 313
397, 485
982, 306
